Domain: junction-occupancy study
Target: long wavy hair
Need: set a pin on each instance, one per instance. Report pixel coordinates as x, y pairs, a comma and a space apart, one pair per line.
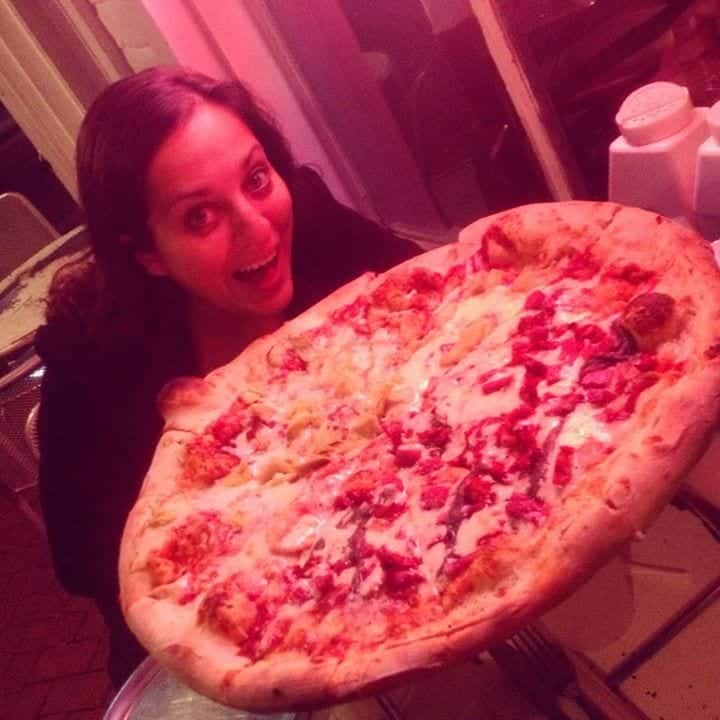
110, 294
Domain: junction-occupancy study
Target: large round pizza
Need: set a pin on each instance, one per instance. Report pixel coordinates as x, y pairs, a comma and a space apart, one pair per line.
427, 459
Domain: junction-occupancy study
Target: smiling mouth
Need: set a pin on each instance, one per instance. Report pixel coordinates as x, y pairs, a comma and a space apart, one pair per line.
253, 268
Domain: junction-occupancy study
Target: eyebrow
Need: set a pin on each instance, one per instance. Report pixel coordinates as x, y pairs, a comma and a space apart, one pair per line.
201, 191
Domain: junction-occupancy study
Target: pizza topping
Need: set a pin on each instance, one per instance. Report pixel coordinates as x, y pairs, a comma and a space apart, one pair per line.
429, 465
590, 334
581, 265
630, 273
539, 319
521, 506
522, 442
535, 372
227, 609
713, 351
357, 489
538, 470
227, 427
390, 503
434, 497
285, 358
394, 430
426, 282
244, 616
595, 376
455, 516
408, 454
497, 384
205, 462
437, 435
392, 560
454, 277
627, 406
376, 494
293, 361
477, 492
456, 565
536, 300
401, 582
193, 546
618, 348
559, 406
563, 465
392, 294
354, 315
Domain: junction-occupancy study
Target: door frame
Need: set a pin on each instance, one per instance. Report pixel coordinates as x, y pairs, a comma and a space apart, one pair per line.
532, 107
33, 89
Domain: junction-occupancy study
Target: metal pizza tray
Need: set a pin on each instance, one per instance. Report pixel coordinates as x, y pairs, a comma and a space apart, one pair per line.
152, 694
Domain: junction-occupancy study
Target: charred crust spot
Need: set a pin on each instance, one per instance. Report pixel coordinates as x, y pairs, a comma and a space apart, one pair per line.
648, 313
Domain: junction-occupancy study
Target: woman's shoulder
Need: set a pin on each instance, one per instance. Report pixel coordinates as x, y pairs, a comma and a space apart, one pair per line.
333, 244
65, 337
86, 327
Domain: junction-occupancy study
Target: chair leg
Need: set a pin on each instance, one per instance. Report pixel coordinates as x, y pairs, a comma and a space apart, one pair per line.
31, 514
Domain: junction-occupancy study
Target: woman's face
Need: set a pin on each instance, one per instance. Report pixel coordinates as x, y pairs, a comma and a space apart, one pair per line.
220, 216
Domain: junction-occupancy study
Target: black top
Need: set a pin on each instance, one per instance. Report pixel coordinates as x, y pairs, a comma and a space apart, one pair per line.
99, 423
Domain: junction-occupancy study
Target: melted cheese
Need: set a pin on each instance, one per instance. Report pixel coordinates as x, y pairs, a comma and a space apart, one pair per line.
583, 425
338, 408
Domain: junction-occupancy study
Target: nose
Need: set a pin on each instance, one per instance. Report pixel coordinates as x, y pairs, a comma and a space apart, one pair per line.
247, 219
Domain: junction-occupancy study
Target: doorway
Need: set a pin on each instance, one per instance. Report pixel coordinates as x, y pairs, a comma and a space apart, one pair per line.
414, 99
23, 170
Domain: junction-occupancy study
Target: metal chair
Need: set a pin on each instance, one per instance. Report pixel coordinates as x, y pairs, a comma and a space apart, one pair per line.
31, 431
23, 231
19, 403
27, 244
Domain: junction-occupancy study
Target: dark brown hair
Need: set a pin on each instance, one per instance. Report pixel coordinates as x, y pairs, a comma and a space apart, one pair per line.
119, 137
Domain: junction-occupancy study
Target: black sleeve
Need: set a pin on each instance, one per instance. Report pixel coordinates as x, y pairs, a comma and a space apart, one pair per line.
96, 441
68, 468
333, 244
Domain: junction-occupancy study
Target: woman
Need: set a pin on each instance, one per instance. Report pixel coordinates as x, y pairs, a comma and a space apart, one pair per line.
204, 235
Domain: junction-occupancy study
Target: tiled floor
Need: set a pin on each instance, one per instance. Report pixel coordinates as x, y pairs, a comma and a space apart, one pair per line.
53, 646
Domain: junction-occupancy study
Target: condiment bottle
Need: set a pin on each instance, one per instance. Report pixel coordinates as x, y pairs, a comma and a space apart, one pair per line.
707, 179
652, 163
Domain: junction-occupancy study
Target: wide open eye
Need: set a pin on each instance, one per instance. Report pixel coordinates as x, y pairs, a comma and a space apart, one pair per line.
259, 180
201, 219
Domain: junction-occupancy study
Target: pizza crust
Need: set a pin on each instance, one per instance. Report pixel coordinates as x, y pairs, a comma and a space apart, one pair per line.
135, 582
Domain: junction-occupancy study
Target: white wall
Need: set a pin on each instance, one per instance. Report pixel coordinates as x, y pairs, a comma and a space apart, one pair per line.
230, 43
446, 14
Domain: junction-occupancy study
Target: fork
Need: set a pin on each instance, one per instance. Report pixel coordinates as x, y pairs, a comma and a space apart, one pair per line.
547, 673
388, 707
560, 673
